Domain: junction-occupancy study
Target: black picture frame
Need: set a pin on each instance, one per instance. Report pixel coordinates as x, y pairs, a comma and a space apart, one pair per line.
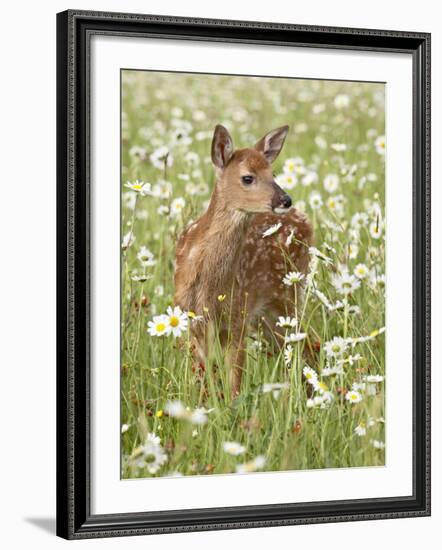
74, 518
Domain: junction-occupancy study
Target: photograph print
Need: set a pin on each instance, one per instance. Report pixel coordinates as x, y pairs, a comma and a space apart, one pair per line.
252, 274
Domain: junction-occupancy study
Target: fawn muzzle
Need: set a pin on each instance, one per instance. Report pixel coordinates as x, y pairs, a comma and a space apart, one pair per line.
281, 202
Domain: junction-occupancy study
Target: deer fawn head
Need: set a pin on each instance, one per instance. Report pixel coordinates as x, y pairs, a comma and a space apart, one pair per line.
244, 176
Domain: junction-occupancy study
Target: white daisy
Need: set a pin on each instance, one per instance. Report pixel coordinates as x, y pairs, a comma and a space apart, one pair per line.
359, 220
162, 189
336, 347
138, 152
192, 158
377, 444
353, 396
180, 137
295, 337
289, 239
350, 360
129, 199
339, 147
145, 257
292, 278
141, 187
330, 371
287, 322
313, 251
158, 326
202, 189
335, 205
360, 429
380, 144
318, 401
151, 455
191, 188
358, 386
372, 378
376, 279
233, 448
310, 375
199, 115
176, 321
288, 354
291, 165
275, 388
199, 416
327, 398
256, 464
177, 207
331, 183
175, 409
320, 142
287, 181
361, 271
341, 101
272, 229
315, 200
163, 210
128, 240
141, 278
159, 290
161, 157
310, 178
318, 108
352, 250
371, 336
375, 230
345, 283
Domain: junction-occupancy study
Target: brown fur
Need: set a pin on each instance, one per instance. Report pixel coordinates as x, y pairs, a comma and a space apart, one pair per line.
224, 252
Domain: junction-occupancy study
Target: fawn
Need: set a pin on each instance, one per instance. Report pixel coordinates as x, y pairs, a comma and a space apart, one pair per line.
224, 253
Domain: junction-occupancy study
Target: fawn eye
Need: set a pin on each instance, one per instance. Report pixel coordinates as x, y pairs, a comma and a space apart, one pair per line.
247, 180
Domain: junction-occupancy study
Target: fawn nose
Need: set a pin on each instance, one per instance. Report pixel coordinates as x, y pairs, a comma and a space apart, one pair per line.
286, 201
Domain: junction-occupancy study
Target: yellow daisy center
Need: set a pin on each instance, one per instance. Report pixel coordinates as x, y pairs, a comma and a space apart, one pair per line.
174, 321
160, 327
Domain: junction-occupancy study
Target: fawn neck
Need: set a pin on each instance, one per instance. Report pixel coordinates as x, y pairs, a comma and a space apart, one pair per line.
222, 231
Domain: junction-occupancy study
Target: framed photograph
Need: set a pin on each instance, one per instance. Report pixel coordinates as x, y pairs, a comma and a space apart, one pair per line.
243, 274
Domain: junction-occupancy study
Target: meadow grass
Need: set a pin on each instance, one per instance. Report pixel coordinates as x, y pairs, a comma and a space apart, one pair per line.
177, 415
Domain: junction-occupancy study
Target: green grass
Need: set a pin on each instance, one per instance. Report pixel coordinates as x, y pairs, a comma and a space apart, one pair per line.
290, 434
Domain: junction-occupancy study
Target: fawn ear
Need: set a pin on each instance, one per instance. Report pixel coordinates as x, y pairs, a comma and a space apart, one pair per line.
222, 147
271, 144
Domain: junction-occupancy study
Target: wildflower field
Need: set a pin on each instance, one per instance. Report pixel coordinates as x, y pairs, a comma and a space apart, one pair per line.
318, 401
